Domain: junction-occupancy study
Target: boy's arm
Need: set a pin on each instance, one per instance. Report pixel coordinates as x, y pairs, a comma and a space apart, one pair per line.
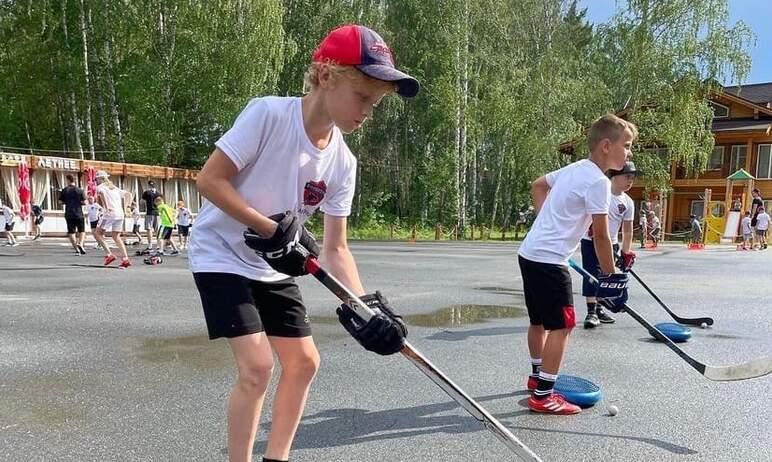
602, 243
337, 256
539, 190
213, 182
627, 236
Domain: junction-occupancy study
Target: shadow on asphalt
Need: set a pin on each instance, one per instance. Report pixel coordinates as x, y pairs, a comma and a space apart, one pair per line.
348, 426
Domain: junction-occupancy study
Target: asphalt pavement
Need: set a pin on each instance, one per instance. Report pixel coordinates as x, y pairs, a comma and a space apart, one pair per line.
105, 364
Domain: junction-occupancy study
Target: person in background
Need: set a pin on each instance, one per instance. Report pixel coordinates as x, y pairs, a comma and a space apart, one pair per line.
762, 225
166, 214
747, 230
8, 225
151, 213
135, 218
184, 222
696, 229
74, 199
37, 220
93, 211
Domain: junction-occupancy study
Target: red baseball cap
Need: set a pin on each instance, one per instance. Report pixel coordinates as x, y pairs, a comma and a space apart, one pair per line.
363, 48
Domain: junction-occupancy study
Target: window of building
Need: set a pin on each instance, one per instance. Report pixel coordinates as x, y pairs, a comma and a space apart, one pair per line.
737, 158
716, 158
719, 110
764, 166
697, 208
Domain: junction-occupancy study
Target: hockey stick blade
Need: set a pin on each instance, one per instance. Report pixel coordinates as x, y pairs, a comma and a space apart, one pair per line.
679, 319
745, 371
424, 365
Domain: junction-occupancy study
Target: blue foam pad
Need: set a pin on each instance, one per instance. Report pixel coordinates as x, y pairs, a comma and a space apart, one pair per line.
577, 390
673, 331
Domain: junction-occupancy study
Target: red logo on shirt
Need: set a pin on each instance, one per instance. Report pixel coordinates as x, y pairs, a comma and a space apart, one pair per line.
313, 193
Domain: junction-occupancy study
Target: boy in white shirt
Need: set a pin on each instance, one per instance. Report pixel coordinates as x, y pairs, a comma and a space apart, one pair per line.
8, 225
112, 200
184, 222
621, 213
762, 225
567, 202
281, 160
94, 211
135, 218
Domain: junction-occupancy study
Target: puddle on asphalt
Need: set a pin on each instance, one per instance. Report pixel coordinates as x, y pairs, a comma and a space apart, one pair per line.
451, 316
48, 401
194, 351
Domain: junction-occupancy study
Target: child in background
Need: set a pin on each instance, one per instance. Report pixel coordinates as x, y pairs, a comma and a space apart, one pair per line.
745, 227
8, 225
762, 225
653, 226
166, 215
94, 211
135, 217
184, 221
696, 229
37, 220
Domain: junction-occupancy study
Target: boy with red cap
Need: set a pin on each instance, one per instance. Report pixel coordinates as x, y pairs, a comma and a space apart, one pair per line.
282, 159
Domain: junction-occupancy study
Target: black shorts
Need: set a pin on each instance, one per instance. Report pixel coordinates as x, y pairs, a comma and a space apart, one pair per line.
591, 264
135, 228
93, 224
9, 226
548, 297
165, 233
75, 225
39, 220
183, 230
236, 306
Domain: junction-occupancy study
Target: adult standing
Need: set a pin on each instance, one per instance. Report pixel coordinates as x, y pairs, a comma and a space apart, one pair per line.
756, 204
74, 199
151, 212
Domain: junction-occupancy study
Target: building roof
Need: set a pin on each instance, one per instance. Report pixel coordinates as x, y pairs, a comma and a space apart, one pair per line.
759, 93
740, 175
750, 125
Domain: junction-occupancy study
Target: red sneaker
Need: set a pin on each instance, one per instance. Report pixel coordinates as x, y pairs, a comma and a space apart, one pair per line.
125, 263
553, 404
109, 259
533, 381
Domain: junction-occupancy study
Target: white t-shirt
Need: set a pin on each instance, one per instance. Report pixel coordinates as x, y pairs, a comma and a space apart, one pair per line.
94, 210
7, 215
745, 224
621, 208
113, 199
577, 192
279, 169
183, 216
762, 221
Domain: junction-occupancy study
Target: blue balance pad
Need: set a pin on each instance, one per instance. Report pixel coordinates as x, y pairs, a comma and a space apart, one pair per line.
673, 331
577, 390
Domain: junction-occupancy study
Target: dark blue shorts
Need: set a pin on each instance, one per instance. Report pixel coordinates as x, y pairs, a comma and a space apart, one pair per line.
590, 263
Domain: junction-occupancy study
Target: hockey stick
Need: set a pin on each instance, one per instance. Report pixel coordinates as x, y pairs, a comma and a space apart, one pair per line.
690, 321
468, 403
749, 370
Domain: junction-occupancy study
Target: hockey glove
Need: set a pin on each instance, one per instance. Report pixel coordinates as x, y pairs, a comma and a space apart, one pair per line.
289, 247
625, 260
384, 333
612, 291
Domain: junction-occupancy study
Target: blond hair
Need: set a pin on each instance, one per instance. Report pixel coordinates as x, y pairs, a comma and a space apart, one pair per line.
609, 127
343, 73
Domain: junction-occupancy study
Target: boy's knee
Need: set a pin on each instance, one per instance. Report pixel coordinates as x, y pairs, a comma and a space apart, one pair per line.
304, 366
256, 374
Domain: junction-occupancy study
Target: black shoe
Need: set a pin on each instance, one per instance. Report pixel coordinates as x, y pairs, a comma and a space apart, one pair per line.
604, 317
81, 250
591, 321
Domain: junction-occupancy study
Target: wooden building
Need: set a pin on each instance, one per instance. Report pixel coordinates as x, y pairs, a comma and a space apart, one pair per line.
47, 178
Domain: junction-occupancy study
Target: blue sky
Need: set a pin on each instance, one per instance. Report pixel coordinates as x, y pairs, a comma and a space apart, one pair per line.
757, 14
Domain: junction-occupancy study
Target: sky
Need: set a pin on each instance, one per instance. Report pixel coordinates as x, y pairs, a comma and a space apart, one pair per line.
757, 14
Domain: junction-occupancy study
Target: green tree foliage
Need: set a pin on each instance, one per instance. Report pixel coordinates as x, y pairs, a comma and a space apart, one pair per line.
504, 82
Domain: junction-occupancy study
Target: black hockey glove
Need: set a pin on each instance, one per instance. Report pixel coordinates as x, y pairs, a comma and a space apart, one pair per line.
612, 291
384, 333
289, 247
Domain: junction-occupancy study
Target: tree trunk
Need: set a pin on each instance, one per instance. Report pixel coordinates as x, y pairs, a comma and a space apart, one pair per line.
87, 79
114, 99
463, 59
496, 199
72, 101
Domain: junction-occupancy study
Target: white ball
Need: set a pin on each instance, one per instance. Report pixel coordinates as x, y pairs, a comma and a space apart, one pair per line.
613, 410
704, 325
